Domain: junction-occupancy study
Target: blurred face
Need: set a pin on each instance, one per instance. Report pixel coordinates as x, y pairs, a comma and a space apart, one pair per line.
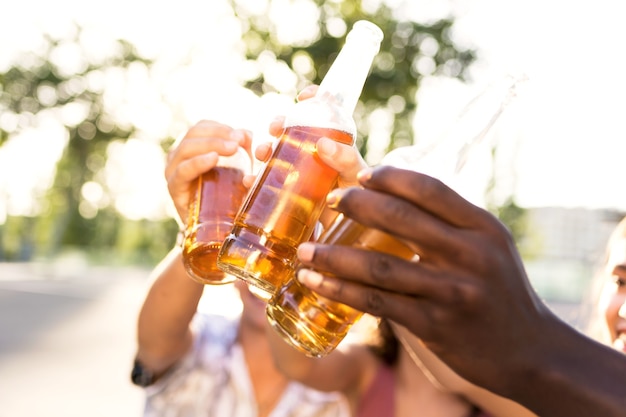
614, 295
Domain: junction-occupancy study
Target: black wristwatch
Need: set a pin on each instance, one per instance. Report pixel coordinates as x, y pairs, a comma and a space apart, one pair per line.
140, 375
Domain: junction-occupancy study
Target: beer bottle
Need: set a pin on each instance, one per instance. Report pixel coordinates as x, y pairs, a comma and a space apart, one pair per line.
287, 199
218, 195
313, 324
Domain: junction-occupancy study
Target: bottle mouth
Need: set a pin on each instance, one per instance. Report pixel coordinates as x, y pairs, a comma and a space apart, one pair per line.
375, 33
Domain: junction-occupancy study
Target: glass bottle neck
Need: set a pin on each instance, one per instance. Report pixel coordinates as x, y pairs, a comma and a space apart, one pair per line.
345, 79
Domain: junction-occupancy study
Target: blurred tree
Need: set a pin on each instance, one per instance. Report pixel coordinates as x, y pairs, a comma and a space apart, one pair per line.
39, 83
42, 82
409, 52
511, 214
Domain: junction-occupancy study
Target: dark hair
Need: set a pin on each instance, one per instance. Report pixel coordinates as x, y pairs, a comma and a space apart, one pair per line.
386, 345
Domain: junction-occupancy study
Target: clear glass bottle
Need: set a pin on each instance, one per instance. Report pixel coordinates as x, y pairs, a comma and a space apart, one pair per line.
287, 199
218, 196
314, 324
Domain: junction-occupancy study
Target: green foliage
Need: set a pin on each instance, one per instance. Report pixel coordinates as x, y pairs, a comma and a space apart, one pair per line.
527, 239
144, 242
514, 217
37, 83
409, 51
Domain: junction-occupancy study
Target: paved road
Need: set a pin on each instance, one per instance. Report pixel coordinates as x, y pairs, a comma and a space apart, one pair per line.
67, 340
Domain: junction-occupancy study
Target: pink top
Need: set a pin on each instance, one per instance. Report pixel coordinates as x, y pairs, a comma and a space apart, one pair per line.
378, 400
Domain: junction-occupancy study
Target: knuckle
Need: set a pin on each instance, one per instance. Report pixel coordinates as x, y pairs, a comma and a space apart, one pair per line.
170, 174
437, 317
190, 169
381, 267
465, 296
400, 212
336, 287
429, 188
375, 302
465, 254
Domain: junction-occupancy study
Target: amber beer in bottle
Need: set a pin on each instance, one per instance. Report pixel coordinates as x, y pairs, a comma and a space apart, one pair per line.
218, 196
286, 201
314, 324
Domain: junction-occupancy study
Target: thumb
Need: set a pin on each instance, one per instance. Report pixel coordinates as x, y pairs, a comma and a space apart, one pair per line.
343, 158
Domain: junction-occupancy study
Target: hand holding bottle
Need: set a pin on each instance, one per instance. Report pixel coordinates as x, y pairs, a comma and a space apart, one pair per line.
195, 153
345, 159
312, 323
287, 198
213, 197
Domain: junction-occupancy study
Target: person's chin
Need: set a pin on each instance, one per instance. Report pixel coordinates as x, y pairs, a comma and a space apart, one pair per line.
254, 300
255, 319
254, 308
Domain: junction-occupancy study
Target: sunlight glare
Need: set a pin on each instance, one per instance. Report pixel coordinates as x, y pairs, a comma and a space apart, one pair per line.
296, 21
134, 176
199, 69
68, 58
28, 164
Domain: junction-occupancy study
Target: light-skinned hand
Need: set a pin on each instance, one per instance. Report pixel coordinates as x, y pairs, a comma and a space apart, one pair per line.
196, 153
345, 159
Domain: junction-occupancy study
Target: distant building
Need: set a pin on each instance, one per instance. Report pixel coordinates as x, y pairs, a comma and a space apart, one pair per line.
573, 233
567, 246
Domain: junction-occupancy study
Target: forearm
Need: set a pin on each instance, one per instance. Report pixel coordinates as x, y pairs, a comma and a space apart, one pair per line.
578, 378
163, 331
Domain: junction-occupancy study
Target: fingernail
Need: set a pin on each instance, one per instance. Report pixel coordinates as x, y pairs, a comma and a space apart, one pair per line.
332, 199
306, 90
210, 157
310, 278
278, 120
306, 252
238, 136
364, 175
326, 146
230, 145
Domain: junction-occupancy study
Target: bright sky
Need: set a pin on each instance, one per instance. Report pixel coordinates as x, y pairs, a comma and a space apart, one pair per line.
571, 131
566, 131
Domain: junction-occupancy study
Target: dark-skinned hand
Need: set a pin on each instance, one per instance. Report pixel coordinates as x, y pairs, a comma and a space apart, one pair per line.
467, 298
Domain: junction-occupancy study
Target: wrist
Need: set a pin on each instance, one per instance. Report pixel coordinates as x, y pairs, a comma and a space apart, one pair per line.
569, 366
141, 375
530, 354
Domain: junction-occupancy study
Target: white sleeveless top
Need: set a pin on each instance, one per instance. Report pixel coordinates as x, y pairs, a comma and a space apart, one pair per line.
213, 381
